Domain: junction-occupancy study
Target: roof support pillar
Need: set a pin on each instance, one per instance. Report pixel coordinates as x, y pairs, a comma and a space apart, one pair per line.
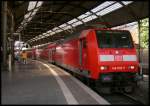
139, 47
11, 54
4, 34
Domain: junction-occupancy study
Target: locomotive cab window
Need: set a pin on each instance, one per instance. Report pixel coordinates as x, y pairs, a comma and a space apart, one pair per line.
114, 39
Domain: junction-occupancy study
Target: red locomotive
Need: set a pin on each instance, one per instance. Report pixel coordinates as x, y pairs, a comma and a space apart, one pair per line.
103, 55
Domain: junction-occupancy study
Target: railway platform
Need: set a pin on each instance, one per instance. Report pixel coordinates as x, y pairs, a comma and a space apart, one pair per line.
41, 83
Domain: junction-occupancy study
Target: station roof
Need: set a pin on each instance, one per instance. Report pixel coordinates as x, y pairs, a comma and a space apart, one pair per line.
47, 21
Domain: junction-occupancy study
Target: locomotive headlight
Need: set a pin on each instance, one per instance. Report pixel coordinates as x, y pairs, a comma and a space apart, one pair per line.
131, 67
103, 67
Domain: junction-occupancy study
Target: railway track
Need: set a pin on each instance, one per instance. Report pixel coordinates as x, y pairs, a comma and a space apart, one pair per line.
133, 98
117, 97
114, 98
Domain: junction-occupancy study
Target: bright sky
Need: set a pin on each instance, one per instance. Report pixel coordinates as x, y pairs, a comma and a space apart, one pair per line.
19, 44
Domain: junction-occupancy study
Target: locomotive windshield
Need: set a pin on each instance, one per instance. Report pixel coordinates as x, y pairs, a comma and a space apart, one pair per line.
114, 39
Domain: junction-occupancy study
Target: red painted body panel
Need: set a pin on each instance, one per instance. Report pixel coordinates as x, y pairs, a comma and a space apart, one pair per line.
92, 55
68, 54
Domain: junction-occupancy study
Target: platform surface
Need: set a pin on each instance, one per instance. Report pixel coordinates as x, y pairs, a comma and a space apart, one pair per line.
42, 83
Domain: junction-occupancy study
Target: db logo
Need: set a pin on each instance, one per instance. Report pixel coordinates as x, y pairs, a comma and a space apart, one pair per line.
118, 58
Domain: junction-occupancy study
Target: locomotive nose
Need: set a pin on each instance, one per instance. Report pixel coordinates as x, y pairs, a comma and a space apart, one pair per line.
117, 60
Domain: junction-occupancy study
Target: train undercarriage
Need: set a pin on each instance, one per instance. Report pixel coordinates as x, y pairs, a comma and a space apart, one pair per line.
110, 82
116, 82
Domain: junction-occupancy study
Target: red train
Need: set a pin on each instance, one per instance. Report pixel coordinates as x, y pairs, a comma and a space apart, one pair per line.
103, 55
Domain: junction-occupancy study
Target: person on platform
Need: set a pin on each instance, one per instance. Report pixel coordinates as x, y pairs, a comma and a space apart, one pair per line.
24, 56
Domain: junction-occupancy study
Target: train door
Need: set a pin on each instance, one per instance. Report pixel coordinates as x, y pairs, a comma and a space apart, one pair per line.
83, 53
50, 55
